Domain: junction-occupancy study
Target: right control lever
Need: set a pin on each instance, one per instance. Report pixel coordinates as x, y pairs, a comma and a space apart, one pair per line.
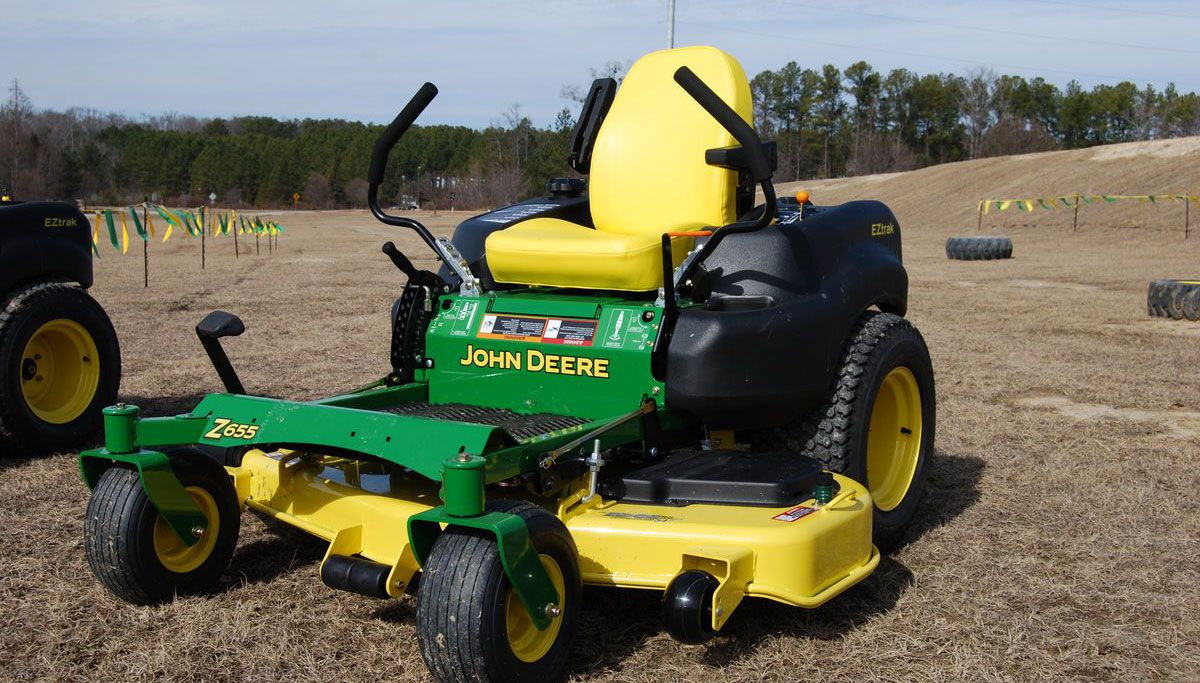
400, 260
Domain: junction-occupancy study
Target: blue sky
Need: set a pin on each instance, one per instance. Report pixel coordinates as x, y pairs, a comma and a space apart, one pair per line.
362, 60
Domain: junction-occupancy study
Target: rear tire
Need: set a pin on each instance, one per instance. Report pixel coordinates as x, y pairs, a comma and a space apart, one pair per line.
136, 556
60, 364
877, 425
978, 248
470, 624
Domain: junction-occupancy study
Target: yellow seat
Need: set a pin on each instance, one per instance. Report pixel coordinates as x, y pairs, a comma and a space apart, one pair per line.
648, 177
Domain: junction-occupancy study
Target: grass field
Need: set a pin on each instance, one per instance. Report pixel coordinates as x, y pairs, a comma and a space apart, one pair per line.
1057, 540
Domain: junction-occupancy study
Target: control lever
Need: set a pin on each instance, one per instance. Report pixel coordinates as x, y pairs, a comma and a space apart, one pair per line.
216, 325
400, 260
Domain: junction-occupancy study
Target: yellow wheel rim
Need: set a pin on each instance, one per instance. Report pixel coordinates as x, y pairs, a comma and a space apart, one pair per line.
894, 440
171, 551
527, 642
60, 371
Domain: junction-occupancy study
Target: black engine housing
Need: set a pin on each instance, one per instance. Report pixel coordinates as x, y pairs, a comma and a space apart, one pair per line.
762, 348
44, 241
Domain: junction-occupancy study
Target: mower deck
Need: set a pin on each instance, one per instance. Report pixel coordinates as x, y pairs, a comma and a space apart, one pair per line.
801, 554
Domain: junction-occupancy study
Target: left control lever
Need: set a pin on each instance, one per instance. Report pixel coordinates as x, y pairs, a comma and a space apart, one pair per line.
216, 325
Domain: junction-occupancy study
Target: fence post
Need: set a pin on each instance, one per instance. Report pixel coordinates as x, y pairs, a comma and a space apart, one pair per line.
1187, 214
145, 247
1075, 220
979, 224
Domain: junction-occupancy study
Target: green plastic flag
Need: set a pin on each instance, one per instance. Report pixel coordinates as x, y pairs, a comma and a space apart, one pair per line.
112, 229
137, 225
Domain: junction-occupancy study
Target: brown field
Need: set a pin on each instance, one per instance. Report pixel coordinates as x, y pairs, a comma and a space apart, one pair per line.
1058, 537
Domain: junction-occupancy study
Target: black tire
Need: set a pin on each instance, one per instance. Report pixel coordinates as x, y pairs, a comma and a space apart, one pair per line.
836, 432
687, 607
24, 314
978, 248
1190, 304
121, 526
1176, 299
462, 623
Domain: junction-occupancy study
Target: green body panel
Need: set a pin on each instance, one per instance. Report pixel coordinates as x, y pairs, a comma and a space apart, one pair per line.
162, 487
474, 363
517, 554
543, 352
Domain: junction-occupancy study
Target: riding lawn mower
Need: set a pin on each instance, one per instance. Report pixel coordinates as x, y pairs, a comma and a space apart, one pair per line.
60, 362
653, 384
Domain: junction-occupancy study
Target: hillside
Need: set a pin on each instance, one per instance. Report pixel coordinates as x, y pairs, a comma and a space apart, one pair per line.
943, 198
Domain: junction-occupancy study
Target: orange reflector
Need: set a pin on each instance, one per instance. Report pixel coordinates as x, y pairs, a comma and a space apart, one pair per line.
802, 196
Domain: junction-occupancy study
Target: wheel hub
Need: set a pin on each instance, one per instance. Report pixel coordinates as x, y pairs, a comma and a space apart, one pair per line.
527, 642
59, 372
894, 441
28, 369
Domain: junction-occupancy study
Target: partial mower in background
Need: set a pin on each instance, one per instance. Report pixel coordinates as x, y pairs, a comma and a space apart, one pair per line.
1176, 299
60, 363
978, 248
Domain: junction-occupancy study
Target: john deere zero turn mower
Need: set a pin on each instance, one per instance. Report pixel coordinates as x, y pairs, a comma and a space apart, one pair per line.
656, 385
59, 359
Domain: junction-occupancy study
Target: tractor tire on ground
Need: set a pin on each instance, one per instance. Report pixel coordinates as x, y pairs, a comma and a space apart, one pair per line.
877, 425
1177, 299
60, 365
471, 626
137, 556
978, 248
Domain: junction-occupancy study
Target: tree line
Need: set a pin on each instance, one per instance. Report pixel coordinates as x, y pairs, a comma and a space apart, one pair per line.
827, 122
830, 122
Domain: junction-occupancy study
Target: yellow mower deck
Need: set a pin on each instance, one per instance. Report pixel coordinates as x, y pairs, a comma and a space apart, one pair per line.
802, 555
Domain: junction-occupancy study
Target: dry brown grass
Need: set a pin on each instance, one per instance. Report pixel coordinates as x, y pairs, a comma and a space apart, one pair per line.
1058, 539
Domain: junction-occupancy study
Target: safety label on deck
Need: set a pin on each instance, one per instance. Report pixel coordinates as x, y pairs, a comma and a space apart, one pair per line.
795, 513
538, 330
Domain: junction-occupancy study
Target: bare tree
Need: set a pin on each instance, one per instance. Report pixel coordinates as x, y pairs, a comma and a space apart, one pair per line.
977, 104
356, 193
613, 70
14, 119
317, 192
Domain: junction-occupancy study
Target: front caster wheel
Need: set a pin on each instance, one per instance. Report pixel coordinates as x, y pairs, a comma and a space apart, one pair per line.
135, 554
687, 607
471, 626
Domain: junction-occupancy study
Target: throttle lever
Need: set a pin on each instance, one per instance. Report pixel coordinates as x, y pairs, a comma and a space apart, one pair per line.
400, 260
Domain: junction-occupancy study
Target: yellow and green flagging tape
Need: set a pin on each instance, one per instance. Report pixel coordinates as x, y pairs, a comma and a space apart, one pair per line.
189, 223
1072, 200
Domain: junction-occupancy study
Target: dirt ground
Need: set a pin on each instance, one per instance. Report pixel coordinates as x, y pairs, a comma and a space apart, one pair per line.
1057, 540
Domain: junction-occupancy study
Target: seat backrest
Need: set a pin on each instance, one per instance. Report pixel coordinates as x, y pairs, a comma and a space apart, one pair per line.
648, 172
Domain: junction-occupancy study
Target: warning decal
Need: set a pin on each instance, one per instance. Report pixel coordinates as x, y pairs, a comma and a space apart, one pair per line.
570, 332
538, 330
795, 513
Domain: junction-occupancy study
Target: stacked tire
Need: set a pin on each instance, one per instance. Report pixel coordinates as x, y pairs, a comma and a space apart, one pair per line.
978, 248
1176, 299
